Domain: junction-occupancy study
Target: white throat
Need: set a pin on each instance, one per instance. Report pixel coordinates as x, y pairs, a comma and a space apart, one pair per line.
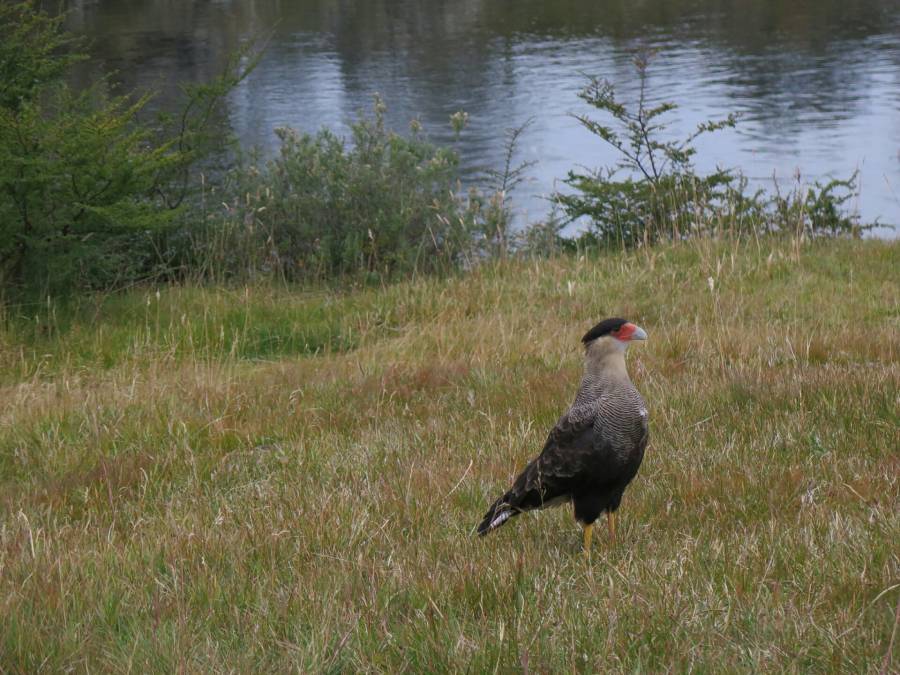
605, 357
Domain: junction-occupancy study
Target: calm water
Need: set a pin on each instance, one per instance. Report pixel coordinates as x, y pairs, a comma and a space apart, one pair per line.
817, 82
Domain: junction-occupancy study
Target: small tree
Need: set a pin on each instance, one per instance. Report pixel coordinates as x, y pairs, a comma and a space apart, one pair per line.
85, 186
661, 196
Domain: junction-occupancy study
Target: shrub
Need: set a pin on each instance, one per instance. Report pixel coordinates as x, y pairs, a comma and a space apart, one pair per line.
814, 210
662, 196
380, 204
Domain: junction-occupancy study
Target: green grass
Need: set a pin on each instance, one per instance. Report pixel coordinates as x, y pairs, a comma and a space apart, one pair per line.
266, 479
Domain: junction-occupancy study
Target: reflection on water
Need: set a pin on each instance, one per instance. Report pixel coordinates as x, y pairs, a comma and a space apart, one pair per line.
817, 82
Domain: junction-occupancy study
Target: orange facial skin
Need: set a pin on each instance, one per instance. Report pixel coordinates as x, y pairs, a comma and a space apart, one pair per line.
625, 332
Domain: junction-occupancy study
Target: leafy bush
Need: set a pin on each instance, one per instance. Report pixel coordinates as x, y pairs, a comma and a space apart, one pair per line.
662, 196
814, 210
379, 204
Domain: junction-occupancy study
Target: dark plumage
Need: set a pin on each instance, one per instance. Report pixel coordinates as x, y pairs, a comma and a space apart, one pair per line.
605, 327
596, 447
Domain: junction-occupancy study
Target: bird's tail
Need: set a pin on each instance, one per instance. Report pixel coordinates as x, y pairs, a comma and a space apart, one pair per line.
499, 513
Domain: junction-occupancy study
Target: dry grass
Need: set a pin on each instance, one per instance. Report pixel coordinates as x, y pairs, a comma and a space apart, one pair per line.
268, 480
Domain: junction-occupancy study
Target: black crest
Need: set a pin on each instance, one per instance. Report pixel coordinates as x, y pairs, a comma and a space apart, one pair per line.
603, 328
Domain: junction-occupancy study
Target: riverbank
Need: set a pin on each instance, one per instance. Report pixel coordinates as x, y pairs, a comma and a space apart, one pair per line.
257, 479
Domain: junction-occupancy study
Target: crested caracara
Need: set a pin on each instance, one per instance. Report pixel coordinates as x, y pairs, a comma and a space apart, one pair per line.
595, 448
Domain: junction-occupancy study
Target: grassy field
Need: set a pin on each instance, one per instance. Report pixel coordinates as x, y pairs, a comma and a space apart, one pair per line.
264, 479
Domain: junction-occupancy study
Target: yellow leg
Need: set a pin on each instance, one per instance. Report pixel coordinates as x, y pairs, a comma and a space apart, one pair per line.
611, 524
588, 531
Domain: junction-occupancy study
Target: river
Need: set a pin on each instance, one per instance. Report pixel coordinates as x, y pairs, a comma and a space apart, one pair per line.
817, 84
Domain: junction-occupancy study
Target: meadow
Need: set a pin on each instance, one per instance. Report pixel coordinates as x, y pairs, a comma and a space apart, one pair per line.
273, 478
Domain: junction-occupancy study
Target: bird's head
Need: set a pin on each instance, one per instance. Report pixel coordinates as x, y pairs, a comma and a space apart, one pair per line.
611, 336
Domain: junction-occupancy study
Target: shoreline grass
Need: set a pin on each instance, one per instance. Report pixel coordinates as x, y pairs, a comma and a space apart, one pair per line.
231, 480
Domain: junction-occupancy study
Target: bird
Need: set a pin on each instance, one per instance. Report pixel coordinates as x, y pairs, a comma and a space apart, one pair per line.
596, 447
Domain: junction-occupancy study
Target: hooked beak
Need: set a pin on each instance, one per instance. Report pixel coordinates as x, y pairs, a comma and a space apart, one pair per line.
638, 334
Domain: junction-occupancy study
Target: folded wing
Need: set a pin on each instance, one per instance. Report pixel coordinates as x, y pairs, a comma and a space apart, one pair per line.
552, 476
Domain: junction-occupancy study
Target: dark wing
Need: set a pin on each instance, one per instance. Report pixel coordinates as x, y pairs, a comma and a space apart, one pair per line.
551, 477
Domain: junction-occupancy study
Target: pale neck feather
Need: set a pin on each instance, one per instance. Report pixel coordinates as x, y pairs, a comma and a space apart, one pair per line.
605, 358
